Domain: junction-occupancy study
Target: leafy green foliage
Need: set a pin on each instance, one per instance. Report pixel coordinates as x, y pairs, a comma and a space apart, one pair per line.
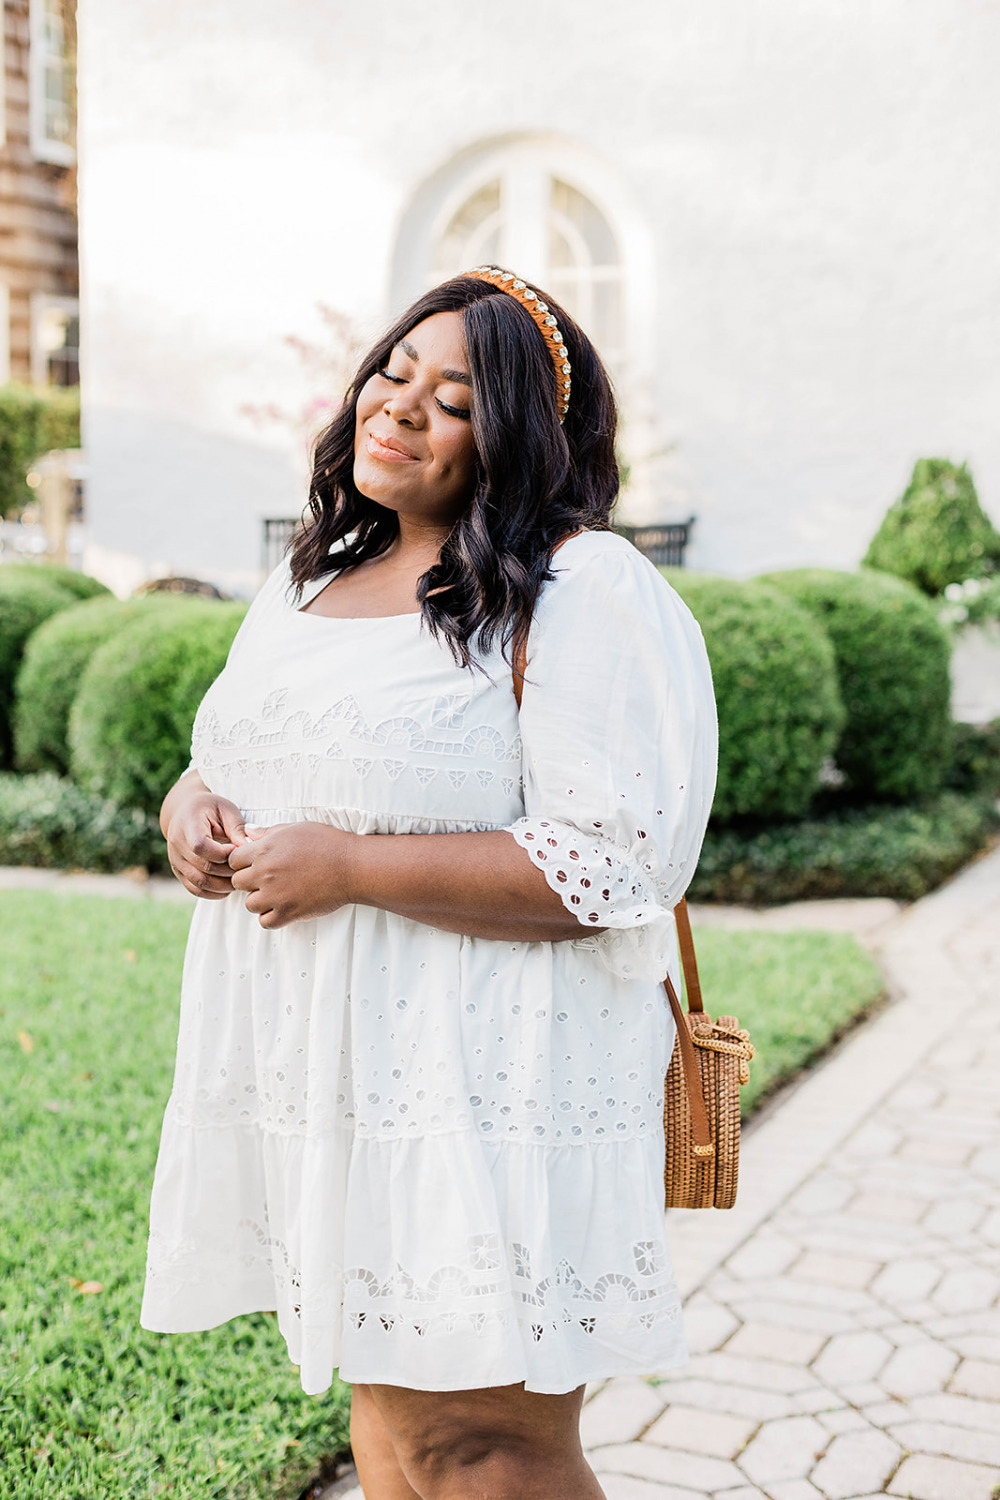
779, 706
55, 659
937, 532
130, 724
80, 585
902, 852
26, 599
91, 1405
32, 421
975, 766
892, 658
49, 822
795, 992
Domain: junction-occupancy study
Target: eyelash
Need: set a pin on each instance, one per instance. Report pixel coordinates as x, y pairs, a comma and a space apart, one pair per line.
451, 411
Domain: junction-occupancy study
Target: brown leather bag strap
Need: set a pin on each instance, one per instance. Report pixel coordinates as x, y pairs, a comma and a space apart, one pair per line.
700, 1132
689, 962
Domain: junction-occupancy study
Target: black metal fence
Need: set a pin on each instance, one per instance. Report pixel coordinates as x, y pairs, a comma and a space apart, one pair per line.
277, 534
664, 544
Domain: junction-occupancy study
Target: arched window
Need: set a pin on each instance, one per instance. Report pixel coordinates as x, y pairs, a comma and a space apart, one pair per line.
531, 219
549, 209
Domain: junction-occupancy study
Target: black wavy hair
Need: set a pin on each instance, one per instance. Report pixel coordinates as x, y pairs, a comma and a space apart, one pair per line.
536, 480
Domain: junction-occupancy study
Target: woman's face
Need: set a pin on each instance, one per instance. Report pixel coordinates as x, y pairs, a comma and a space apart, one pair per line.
413, 447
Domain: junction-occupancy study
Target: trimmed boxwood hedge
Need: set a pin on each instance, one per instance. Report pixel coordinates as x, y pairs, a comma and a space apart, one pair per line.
54, 662
775, 678
937, 532
902, 852
893, 666
27, 597
130, 725
80, 585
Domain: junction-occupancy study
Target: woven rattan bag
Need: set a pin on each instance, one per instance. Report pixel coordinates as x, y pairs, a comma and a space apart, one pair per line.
701, 1102
710, 1062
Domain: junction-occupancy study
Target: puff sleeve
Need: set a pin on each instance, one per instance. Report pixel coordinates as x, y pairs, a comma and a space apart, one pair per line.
619, 746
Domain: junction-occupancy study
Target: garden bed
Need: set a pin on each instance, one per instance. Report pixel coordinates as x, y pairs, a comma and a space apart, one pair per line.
93, 1405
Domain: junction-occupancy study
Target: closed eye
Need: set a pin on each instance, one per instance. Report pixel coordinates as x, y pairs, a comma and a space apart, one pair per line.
452, 411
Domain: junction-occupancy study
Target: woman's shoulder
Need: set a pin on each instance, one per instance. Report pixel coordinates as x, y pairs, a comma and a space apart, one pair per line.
596, 563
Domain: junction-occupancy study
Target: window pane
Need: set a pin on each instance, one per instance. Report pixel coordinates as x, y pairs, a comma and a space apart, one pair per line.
473, 234
592, 228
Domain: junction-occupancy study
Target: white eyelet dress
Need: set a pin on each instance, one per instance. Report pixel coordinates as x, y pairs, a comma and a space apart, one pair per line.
439, 1158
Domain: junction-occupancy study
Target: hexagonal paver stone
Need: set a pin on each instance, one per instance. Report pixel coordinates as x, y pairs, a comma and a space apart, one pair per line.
699, 1431
620, 1411
835, 1270
924, 1478
794, 1346
888, 1208
785, 1449
919, 1369
967, 1291
766, 1254
977, 1377
624, 1487
907, 1280
707, 1324
856, 1463
852, 1357
665, 1466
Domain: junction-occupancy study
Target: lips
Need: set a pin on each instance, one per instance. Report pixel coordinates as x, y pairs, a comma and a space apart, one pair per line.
389, 450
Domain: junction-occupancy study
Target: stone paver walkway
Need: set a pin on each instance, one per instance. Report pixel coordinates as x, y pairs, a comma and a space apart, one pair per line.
844, 1317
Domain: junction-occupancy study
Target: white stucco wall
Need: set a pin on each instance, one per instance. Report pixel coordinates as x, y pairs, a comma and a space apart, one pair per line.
818, 184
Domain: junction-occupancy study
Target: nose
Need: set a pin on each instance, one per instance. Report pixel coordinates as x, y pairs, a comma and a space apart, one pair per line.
404, 406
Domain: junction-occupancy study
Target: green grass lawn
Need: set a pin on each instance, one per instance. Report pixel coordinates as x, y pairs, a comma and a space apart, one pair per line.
92, 1407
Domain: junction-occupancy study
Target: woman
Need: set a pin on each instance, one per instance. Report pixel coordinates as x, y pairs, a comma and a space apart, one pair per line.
418, 1099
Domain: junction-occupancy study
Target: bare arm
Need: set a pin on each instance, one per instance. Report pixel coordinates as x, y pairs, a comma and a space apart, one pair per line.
479, 884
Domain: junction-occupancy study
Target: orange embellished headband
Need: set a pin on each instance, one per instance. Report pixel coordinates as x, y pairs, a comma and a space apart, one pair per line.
506, 281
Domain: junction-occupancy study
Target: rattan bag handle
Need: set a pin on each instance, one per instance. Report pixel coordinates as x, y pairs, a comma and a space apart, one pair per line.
701, 1134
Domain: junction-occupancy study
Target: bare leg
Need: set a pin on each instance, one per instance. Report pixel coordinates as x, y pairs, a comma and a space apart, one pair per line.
375, 1457
501, 1443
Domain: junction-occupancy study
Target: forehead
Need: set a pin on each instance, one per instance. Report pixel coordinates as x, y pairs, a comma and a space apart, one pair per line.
439, 340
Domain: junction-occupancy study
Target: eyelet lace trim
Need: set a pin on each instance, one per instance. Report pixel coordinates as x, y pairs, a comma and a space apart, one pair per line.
602, 884
493, 1287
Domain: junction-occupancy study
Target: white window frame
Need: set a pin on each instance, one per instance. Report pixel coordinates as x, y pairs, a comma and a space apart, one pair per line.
528, 164
43, 147
41, 302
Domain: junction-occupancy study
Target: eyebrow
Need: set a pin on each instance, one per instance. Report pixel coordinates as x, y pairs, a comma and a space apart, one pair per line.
458, 375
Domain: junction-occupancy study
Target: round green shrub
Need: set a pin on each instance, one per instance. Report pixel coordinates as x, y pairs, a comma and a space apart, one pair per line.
54, 662
130, 724
937, 532
26, 599
80, 585
893, 665
779, 706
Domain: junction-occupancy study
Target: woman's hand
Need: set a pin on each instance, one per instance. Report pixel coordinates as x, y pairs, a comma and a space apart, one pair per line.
201, 830
294, 871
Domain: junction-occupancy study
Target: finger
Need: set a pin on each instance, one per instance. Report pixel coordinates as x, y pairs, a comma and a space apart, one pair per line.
232, 823
257, 903
256, 833
244, 880
271, 919
210, 851
203, 895
242, 857
200, 883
